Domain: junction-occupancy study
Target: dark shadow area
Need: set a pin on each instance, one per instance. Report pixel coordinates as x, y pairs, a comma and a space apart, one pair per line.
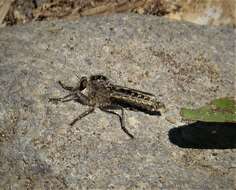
204, 135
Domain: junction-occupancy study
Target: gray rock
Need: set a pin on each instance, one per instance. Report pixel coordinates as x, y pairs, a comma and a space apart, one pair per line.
181, 63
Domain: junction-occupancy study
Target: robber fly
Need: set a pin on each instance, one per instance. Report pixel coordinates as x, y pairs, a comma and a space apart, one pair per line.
98, 91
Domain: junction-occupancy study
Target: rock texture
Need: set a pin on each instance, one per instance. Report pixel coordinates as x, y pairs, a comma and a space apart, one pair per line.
182, 64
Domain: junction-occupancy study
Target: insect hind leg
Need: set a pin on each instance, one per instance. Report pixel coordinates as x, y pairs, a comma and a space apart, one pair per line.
121, 118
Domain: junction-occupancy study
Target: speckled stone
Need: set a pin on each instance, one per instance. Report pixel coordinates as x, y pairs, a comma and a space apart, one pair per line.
181, 63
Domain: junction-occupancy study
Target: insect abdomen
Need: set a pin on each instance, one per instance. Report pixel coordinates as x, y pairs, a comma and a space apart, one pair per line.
148, 105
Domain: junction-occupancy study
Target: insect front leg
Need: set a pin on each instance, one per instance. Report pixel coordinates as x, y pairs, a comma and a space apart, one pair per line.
76, 96
69, 88
87, 112
121, 118
63, 99
79, 87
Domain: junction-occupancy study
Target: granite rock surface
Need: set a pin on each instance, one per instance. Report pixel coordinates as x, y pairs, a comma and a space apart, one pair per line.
181, 63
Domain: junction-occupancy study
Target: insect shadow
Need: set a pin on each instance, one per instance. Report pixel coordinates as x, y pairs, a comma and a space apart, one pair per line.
98, 91
204, 135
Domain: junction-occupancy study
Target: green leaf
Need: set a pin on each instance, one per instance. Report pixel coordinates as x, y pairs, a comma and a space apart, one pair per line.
219, 110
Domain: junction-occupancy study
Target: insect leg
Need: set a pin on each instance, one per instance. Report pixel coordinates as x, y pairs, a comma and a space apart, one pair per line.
60, 99
87, 112
69, 88
70, 99
121, 118
77, 96
83, 99
79, 87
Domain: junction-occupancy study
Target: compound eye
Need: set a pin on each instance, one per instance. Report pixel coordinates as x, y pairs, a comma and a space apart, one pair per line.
83, 83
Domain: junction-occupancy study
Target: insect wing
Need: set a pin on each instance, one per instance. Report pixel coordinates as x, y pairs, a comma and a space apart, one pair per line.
134, 99
131, 92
